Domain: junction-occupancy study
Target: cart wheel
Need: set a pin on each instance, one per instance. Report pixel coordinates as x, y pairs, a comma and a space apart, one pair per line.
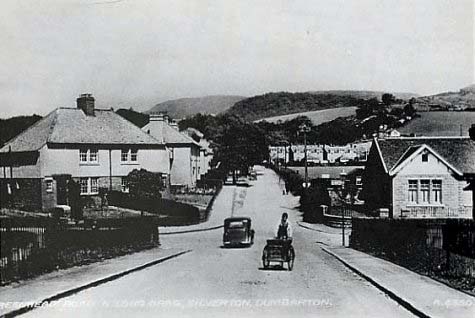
291, 258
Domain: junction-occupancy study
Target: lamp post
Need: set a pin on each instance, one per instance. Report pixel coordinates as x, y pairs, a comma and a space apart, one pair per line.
305, 129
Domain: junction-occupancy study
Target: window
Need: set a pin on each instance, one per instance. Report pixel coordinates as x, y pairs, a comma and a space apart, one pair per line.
49, 185
93, 155
83, 155
412, 191
124, 156
437, 191
129, 155
84, 185
359, 181
88, 155
425, 157
94, 186
133, 154
125, 185
89, 185
425, 191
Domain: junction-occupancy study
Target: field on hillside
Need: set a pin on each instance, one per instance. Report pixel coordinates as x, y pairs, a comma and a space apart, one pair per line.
440, 124
318, 117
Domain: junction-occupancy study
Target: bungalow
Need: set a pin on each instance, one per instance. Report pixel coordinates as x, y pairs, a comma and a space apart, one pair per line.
184, 152
420, 177
95, 147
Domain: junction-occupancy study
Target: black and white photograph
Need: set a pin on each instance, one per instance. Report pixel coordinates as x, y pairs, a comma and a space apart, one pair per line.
237, 158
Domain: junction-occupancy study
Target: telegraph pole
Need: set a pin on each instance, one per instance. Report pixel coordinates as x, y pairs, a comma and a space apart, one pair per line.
471, 132
305, 129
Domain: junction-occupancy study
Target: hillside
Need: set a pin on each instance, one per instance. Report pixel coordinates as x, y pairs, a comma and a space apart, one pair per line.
464, 98
317, 117
440, 124
365, 94
179, 108
283, 103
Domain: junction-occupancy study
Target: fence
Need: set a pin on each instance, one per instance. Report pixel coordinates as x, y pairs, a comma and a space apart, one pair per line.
434, 246
32, 246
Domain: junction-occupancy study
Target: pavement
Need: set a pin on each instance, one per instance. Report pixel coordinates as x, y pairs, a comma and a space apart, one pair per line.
220, 210
419, 294
54, 285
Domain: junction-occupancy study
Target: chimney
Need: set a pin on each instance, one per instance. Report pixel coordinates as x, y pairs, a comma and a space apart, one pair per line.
174, 124
85, 102
155, 126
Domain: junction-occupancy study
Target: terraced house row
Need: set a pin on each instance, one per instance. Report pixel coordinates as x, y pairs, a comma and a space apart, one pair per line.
98, 149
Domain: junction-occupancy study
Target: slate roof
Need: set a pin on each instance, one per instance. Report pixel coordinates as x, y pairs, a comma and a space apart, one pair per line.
170, 135
173, 136
72, 126
459, 152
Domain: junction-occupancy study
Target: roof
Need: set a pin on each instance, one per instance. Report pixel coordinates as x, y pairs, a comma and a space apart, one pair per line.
72, 126
173, 136
169, 135
458, 152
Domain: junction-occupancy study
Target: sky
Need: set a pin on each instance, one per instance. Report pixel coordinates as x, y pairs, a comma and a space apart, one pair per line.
136, 53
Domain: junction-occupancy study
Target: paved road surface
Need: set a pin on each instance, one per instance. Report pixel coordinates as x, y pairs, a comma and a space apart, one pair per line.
214, 282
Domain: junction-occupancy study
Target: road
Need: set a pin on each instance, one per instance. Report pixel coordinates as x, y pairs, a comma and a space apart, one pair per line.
211, 281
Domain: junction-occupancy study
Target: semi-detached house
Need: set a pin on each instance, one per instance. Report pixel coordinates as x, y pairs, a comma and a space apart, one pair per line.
95, 147
184, 152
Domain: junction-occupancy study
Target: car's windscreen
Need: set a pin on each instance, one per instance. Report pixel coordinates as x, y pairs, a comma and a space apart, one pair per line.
236, 224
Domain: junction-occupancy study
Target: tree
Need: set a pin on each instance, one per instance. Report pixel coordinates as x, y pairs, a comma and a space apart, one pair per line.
409, 109
145, 184
388, 99
237, 144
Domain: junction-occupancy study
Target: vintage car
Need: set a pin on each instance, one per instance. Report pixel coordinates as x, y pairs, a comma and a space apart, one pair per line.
238, 232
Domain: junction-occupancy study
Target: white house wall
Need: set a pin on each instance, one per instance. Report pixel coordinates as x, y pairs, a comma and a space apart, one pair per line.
66, 161
181, 168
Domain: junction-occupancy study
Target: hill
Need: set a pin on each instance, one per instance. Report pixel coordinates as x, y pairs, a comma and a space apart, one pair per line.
284, 103
11, 127
317, 117
463, 99
180, 108
366, 94
440, 124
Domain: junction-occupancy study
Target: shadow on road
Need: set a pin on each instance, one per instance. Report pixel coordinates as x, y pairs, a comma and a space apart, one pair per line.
274, 268
235, 247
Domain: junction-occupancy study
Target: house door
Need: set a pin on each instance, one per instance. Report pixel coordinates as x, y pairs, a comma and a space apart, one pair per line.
61, 188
